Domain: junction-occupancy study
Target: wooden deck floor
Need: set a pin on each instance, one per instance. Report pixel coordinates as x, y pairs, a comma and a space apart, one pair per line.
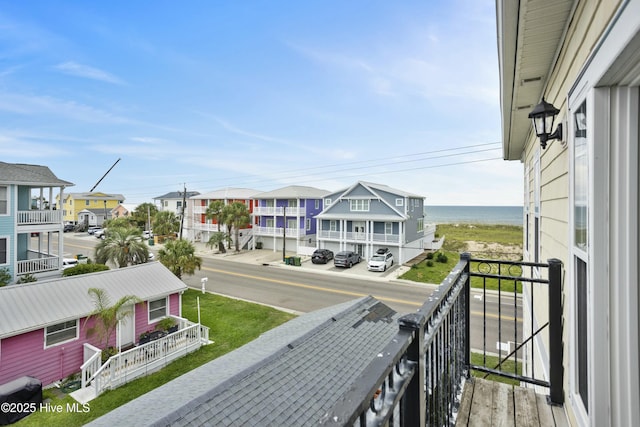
490, 403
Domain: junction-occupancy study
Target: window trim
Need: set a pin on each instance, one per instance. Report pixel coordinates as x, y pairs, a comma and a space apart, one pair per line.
166, 309
46, 333
359, 205
399, 202
6, 200
7, 260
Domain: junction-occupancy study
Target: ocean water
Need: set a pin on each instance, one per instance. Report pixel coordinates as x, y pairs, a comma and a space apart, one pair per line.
503, 215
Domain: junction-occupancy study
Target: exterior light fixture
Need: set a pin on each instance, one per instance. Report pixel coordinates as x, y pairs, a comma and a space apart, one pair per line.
543, 116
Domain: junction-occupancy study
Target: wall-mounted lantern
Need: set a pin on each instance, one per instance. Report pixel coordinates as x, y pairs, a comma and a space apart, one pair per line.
543, 116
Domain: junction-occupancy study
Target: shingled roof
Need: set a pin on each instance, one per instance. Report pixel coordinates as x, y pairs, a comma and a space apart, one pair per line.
24, 174
290, 375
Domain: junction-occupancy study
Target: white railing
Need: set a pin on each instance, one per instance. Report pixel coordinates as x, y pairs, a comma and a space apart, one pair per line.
39, 217
146, 358
93, 357
277, 231
37, 265
205, 227
278, 211
375, 237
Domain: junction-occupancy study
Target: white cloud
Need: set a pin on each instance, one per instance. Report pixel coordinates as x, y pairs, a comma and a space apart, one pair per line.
87, 72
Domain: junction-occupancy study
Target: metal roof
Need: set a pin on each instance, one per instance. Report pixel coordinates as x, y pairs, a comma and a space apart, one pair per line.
228, 193
176, 195
34, 305
529, 34
293, 191
23, 174
290, 375
95, 196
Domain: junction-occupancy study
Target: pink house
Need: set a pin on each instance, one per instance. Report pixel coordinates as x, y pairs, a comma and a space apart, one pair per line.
43, 324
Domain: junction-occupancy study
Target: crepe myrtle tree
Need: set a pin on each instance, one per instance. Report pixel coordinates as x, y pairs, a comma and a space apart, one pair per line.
179, 257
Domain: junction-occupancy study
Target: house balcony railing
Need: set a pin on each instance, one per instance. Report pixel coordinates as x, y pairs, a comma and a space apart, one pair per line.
359, 237
41, 264
277, 231
35, 217
418, 378
205, 227
278, 211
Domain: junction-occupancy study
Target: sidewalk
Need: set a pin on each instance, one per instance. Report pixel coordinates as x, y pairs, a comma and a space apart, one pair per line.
275, 259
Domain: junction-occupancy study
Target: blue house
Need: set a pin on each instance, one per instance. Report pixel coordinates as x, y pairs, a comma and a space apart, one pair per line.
287, 215
30, 226
366, 217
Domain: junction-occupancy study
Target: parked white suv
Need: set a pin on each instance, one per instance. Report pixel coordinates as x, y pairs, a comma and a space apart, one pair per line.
380, 262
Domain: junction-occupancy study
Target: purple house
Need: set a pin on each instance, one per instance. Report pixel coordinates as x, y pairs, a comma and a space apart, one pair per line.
287, 215
43, 325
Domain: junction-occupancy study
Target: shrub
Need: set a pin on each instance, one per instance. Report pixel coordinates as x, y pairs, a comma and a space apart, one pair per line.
5, 277
429, 263
430, 255
442, 258
27, 278
84, 269
414, 266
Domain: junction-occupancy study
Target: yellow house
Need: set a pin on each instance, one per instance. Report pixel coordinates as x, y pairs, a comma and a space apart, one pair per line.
99, 204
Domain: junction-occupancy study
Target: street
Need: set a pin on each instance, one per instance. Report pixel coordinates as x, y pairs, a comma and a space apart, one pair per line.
300, 290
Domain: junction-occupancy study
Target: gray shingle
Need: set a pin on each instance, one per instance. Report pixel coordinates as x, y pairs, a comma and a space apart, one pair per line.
279, 385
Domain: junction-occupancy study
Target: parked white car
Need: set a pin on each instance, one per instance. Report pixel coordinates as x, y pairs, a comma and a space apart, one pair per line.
100, 233
380, 262
147, 234
69, 262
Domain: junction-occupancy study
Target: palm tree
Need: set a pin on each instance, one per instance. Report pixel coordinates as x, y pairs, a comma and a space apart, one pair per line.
122, 246
236, 216
107, 315
165, 223
217, 239
214, 212
179, 257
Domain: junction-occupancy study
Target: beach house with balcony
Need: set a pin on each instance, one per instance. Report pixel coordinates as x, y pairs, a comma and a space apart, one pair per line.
580, 60
199, 228
30, 225
288, 214
366, 217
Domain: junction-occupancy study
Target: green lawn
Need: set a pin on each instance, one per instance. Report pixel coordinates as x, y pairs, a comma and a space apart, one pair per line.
456, 238
232, 324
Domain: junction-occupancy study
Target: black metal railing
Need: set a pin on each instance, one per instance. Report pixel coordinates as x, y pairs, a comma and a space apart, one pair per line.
418, 378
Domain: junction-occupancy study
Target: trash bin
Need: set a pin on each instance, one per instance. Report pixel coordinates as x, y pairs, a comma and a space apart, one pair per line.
151, 242
296, 261
287, 260
81, 259
258, 245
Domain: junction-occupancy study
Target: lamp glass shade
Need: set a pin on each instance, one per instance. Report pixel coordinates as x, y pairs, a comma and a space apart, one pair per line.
543, 116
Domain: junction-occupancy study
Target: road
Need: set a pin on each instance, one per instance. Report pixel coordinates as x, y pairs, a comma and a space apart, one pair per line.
300, 290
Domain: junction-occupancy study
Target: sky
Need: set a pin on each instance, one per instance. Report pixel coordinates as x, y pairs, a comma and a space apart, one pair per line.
205, 95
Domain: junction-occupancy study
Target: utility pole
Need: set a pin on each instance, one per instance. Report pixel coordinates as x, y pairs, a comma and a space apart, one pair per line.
284, 232
184, 202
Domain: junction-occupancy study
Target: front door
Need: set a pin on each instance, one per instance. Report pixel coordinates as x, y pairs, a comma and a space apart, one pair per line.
359, 230
126, 330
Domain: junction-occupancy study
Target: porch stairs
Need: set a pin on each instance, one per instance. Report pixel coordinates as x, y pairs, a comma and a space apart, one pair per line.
137, 362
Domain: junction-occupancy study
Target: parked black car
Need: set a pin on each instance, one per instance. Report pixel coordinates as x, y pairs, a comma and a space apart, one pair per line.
69, 227
346, 259
321, 256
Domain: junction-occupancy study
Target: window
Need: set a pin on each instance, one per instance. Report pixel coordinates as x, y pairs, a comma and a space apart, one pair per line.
270, 223
292, 223
359, 205
292, 203
317, 204
332, 226
61, 332
4, 200
399, 202
420, 226
157, 309
86, 202
388, 228
327, 202
308, 224
580, 249
269, 203
3, 250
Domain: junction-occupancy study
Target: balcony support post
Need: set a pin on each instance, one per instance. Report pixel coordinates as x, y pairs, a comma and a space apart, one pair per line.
415, 399
556, 392
466, 257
